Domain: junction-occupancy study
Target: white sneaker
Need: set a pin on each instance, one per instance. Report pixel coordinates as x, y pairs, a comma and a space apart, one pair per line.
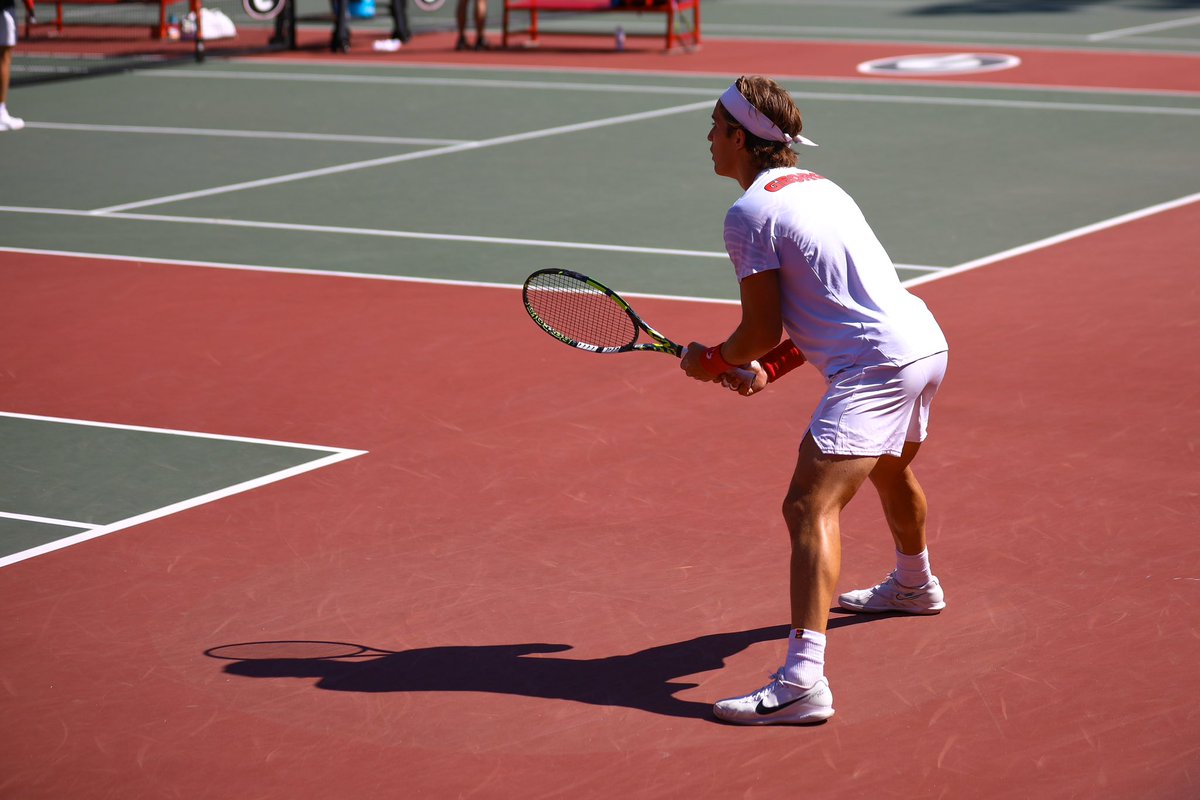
779, 702
891, 596
8, 123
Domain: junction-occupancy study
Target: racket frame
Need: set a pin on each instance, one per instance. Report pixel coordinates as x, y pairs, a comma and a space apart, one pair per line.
660, 343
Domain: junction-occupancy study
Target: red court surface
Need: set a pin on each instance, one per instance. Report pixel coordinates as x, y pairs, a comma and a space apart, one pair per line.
568, 557
1081, 69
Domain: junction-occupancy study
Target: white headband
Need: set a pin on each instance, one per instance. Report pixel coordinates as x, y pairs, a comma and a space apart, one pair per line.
754, 120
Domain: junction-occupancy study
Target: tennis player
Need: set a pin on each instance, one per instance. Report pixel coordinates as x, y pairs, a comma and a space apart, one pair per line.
808, 264
8, 40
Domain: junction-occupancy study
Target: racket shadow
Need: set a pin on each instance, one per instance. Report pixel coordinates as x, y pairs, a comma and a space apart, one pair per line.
647, 680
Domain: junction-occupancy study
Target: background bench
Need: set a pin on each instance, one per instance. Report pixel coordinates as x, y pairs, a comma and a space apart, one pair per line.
157, 26
674, 11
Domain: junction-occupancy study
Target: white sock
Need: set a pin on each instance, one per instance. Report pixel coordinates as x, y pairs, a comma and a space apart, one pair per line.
913, 571
805, 663
3, 109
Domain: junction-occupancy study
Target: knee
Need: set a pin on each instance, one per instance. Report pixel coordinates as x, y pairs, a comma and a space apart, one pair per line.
794, 508
802, 514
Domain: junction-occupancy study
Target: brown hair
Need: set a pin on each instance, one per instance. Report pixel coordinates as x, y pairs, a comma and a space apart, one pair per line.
776, 105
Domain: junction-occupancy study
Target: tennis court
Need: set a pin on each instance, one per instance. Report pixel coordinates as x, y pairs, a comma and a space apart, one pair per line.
295, 501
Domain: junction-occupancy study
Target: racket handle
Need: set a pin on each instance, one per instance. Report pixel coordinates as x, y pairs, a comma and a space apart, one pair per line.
744, 374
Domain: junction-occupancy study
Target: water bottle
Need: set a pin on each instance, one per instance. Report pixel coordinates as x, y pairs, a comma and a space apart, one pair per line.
362, 9
620, 38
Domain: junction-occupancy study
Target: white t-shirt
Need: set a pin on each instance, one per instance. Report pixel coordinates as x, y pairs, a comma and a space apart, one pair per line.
843, 304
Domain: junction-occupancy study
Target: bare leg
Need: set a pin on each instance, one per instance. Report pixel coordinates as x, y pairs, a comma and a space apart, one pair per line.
821, 487
5, 72
480, 19
903, 501
460, 18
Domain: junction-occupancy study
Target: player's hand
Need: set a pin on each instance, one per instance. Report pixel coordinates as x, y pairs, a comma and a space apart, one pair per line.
737, 383
691, 364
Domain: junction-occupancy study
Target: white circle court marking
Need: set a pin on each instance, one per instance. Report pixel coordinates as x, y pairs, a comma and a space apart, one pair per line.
939, 64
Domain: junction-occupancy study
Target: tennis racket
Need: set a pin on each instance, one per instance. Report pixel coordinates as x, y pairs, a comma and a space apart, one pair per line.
584, 313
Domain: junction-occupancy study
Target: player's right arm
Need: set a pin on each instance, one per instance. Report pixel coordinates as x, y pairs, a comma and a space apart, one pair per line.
758, 331
762, 319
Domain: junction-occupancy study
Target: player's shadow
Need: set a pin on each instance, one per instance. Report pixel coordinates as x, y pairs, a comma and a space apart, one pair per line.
646, 680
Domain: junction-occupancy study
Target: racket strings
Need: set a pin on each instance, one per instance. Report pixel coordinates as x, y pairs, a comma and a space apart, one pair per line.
579, 311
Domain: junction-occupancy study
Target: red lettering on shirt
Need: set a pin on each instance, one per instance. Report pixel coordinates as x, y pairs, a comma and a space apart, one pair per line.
795, 177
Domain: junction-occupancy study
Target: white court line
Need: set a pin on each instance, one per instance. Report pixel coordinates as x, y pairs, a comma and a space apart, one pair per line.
68, 523
1050, 241
87, 423
327, 273
1155, 26
383, 232
178, 262
618, 88
438, 151
413, 80
937, 272
272, 135
386, 233
501, 140
336, 454
370, 276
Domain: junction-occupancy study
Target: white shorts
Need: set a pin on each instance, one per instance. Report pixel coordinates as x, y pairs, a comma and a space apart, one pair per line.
875, 410
8, 30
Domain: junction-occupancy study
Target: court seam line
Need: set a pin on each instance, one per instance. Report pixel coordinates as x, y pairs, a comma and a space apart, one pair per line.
378, 162
617, 88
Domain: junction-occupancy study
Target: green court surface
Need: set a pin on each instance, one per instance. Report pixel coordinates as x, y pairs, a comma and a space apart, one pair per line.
61, 477
492, 186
